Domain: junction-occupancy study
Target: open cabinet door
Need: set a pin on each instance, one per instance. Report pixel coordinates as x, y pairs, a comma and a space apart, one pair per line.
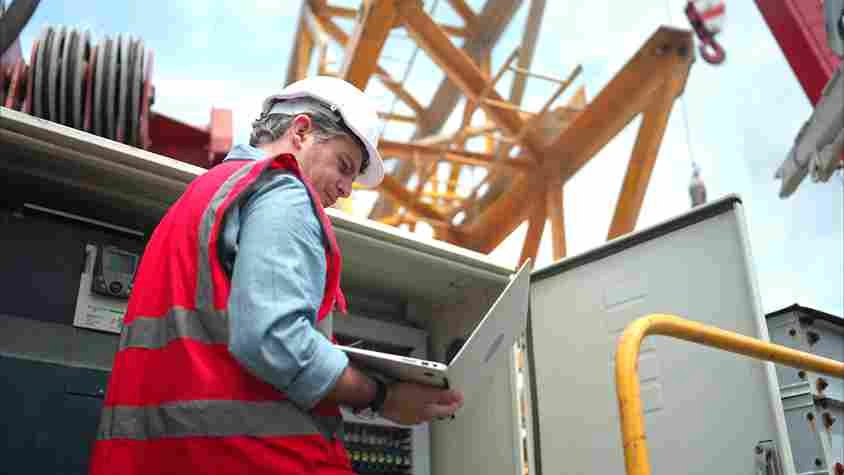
706, 410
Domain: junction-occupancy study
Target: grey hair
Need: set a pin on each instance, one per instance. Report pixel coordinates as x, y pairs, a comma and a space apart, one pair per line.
269, 127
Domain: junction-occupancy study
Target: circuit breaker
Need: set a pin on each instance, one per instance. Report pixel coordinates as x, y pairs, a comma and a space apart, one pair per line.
378, 449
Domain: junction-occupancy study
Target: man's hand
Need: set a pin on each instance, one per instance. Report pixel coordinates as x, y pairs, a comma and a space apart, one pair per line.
411, 404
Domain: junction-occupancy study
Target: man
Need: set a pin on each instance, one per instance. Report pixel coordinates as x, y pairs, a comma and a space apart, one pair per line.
221, 368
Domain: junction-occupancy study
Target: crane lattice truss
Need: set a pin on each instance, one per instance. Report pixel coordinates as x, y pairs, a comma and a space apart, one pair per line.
529, 156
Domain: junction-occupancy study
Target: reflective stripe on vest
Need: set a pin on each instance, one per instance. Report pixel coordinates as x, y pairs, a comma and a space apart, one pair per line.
205, 284
212, 419
154, 333
204, 327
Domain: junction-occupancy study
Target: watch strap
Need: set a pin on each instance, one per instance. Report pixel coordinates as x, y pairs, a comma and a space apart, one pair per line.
380, 395
371, 410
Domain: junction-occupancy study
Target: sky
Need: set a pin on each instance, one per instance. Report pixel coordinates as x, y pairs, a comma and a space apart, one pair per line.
737, 120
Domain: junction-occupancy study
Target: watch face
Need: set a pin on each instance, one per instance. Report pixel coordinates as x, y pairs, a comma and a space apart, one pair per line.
366, 413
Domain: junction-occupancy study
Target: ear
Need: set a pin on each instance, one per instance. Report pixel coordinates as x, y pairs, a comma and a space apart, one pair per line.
299, 129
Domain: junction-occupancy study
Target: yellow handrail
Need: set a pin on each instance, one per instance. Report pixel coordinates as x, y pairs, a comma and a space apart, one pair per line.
627, 377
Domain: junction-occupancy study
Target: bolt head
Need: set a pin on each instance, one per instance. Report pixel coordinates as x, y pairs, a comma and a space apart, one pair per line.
822, 384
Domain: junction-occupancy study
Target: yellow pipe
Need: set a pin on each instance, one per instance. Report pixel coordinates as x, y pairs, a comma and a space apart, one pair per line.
627, 377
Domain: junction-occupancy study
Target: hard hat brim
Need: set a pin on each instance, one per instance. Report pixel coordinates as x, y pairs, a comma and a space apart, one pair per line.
374, 173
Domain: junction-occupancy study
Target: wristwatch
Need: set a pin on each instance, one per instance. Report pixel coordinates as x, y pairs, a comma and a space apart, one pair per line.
372, 410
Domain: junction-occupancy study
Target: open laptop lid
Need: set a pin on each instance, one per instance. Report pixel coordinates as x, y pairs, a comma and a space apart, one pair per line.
495, 334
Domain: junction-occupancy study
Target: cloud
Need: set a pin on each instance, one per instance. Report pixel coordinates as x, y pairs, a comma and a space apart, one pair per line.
200, 39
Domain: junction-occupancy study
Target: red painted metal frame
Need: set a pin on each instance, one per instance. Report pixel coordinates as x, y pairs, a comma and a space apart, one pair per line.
798, 26
220, 131
203, 147
178, 140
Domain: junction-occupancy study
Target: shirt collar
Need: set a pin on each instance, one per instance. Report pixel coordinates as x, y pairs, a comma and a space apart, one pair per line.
245, 152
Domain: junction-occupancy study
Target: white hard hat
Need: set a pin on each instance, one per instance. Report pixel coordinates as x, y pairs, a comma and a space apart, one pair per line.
356, 109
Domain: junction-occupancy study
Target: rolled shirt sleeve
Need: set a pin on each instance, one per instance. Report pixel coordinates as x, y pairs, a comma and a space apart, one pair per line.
278, 280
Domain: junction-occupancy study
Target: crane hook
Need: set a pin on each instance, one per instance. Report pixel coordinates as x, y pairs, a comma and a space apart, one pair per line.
705, 17
712, 51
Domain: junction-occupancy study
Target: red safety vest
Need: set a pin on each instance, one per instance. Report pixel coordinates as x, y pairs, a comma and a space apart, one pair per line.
178, 402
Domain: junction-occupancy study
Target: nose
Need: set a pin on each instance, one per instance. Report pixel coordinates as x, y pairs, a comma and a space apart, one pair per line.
344, 187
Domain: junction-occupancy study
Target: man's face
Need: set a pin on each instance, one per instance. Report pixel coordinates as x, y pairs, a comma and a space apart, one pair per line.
331, 166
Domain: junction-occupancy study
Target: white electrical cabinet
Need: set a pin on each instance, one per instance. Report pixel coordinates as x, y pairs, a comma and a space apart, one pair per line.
551, 407
706, 411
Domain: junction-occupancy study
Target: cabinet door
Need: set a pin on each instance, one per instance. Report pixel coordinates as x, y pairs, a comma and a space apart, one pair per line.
484, 437
50, 415
705, 409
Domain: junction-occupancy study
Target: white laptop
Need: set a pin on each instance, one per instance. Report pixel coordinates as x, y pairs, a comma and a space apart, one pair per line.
467, 371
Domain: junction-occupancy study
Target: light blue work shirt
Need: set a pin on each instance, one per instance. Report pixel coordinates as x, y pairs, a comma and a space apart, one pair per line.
272, 244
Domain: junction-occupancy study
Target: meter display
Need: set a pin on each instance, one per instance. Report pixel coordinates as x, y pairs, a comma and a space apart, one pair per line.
121, 263
104, 288
113, 272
